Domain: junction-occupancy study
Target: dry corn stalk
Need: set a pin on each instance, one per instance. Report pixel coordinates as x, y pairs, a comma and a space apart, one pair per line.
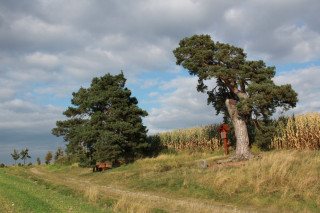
204, 138
300, 132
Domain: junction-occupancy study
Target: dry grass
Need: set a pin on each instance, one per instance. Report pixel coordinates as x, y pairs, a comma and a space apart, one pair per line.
91, 192
130, 205
299, 132
288, 177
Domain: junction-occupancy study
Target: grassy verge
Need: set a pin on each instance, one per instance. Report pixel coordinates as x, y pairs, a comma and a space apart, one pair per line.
53, 178
21, 195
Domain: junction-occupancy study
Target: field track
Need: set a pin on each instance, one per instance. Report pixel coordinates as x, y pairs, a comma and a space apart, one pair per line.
147, 199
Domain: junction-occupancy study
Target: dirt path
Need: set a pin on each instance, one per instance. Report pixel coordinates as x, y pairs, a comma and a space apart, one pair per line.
137, 198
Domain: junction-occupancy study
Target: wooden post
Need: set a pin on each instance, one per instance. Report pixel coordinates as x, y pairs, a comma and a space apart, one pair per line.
223, 131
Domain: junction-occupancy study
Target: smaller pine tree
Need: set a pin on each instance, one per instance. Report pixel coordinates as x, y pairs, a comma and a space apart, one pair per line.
15, 155
48, 157
59, 154
38, 161
24, 154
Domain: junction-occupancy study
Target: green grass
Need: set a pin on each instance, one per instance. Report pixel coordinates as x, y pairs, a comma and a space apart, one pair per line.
22, 195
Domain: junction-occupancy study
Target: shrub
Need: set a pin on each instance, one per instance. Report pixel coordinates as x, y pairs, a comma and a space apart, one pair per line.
2, 165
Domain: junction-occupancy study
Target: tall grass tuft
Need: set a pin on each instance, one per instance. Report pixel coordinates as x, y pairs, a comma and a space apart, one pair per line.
92, 193
130, 205
298, 132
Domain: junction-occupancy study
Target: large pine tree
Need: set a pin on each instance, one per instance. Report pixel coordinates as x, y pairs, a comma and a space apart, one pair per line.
105, 123
244, 89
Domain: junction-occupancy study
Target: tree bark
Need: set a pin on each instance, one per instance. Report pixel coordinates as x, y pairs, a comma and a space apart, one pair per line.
241, 131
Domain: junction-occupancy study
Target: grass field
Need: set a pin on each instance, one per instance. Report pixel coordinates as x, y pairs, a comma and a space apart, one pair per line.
22, 195
282, 181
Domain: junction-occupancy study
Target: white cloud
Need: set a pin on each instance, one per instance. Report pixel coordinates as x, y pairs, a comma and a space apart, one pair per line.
30, 75
149, 83
58, 92
236, 17
276, 31
306, 82
299, 44
41, 59
184, 107
153, 94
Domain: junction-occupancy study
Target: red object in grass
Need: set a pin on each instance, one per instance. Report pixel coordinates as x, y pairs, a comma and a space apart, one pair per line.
223, 131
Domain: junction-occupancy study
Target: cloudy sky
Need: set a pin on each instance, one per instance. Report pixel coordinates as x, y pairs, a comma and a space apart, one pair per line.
50, 48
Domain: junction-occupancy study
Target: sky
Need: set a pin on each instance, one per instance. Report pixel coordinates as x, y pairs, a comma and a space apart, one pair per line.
51, 48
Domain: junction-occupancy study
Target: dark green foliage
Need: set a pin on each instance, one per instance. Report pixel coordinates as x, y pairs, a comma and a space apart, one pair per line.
155, 146
85, 160
248, 82
24, 154
261, 132
15, 155
2, 165
105, 123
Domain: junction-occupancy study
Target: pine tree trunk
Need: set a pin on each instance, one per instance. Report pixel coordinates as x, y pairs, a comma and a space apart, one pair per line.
241, 131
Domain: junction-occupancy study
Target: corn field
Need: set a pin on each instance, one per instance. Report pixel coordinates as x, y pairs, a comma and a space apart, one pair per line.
205, 138
298, 132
